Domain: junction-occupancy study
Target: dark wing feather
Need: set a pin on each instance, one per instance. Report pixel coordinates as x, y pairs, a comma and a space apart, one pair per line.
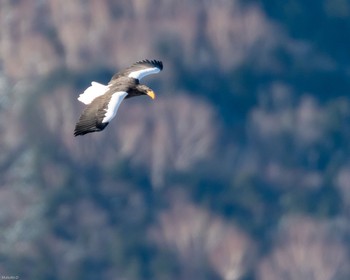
91, 118
139, 65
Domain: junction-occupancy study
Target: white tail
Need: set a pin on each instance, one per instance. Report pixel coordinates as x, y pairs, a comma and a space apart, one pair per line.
93, 91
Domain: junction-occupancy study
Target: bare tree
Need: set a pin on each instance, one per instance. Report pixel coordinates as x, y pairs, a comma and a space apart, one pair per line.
172, 134
342, 182
306, 249
199, 238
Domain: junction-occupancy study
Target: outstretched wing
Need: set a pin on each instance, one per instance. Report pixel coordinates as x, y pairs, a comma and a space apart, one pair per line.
99, 113
91, 119
140, 69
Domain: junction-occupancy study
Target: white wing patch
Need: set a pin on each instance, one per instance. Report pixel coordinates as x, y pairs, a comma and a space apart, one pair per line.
139, 74
113, 105
93, 91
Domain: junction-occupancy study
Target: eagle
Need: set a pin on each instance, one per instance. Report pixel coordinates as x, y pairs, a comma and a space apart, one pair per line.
103, 101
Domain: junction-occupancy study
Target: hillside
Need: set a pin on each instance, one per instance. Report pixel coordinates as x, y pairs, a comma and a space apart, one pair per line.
238, 170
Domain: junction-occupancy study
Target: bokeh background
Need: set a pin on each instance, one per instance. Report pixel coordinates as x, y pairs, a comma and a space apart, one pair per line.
240, 169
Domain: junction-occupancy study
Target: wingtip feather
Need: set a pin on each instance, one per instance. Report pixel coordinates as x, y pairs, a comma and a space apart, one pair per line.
154, 62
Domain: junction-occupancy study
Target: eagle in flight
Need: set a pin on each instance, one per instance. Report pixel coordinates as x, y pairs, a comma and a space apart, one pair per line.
103, 101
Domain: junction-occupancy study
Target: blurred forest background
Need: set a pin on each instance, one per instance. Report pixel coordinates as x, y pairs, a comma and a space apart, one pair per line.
240, 169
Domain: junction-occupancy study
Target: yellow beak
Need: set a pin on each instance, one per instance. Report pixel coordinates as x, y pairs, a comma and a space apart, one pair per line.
151, 94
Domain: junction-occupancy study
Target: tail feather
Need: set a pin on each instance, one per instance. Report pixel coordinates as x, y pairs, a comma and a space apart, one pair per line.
93, 91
